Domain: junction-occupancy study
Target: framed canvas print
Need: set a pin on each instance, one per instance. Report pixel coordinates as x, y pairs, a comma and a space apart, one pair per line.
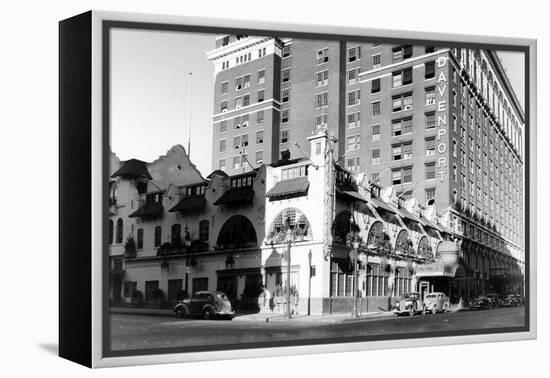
237, 189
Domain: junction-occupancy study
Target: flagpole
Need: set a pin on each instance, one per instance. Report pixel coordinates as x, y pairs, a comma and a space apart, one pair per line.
189, 134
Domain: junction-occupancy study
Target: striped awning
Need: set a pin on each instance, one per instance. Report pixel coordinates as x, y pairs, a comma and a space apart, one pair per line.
379, 204
294, 187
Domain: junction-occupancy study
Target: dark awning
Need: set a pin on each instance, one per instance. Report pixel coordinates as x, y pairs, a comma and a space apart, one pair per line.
133, 168
382, 205
428, 223
348, 191
189, 204
235, 196
293, 187
408, 215
148, 210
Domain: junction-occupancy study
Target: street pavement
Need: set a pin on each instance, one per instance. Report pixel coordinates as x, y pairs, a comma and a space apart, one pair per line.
138, 331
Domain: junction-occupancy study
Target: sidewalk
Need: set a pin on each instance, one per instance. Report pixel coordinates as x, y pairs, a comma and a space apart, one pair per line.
258, 317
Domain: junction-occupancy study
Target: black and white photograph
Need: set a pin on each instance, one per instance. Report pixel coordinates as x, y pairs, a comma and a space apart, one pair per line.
285, 189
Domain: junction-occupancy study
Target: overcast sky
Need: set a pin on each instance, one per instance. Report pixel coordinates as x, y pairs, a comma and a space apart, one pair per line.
150, 93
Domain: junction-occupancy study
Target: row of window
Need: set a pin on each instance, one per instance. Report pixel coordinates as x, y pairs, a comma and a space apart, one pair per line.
241, 161
116, 235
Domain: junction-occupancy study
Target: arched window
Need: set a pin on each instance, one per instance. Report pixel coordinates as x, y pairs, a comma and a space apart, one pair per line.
119, 231
158, 236
289, 218
376, 234
341, 227
140, 238
237, 232
111, 231
402, 243
424, 249
204, 230
175, 236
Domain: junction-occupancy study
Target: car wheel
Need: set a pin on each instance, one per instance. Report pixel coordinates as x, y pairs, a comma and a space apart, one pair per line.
179, 313
207, 314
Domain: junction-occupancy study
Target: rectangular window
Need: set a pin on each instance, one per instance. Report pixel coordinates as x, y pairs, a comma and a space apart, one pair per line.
321, 100
354, 54
376, 61
397, 152
225, 87
223, 127
375, 155
237, 122
246, 100
429, 70
285, 94
236, 162
223, 145
322, 56
284, 136
401, 52
402, 102
375, 132
259, 137
322, 78
430, 146
407, 151
430, 171
260, 95
246, 81
223, 106
287, 50
236, 142
286, 75
150, 288
376, 108
375, 88
238, 83
221, 164
259, 157
244, 140
430, 120
174, 287
430, 96
353, 164
430, 194
260, 116
353, 143
354, 97
261, 76
321, 120
353, 76
238, 102
285, 115
354, 120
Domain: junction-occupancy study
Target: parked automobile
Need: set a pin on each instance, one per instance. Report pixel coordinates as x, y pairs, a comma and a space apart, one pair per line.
409, 303
436, 301
512, 300
494, 299
481, 303
207, 304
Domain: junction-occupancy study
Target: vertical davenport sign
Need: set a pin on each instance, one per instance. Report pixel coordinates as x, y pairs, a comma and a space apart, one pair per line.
441, 115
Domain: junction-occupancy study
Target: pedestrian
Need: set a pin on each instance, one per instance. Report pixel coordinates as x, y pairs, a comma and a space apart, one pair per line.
267, 300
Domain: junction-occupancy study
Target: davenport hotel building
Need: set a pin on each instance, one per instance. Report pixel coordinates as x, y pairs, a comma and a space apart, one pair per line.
412, 154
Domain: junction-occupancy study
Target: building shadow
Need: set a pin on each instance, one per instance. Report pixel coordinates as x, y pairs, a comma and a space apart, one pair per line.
52, 348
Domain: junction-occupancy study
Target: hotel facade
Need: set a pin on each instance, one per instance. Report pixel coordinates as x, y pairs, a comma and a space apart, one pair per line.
414, 153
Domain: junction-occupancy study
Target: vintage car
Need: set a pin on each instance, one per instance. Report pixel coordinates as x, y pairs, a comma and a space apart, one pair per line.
481, 303
494, 299
207, 304
512, 300
409, 303
436, 301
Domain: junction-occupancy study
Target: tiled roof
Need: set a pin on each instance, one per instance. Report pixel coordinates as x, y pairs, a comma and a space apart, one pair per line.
133, 168
236, 195
295, 186
189, 204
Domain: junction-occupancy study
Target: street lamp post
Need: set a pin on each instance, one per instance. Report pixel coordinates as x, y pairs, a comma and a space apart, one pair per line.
187, 248
309, 256
355, 245
289, 237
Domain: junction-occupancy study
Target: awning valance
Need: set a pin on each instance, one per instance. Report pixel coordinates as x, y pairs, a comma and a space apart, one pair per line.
428, 223
408, 215
236, 196
349, 192
150, 210
437, 269
379, 204
293, 187
189, 204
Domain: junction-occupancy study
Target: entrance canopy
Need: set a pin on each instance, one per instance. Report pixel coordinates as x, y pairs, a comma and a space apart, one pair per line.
447, 263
